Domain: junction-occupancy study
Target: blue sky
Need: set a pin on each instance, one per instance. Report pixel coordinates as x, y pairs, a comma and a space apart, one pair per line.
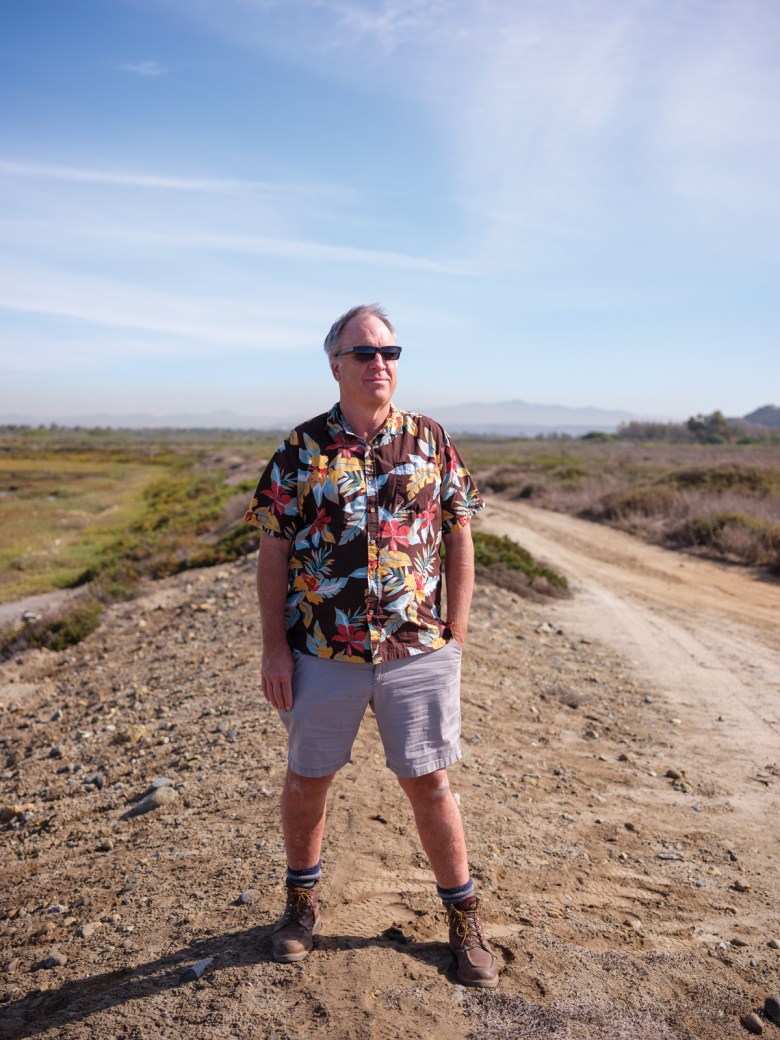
561, 202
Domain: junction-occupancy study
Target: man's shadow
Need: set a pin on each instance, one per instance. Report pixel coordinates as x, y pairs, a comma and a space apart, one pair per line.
80, 998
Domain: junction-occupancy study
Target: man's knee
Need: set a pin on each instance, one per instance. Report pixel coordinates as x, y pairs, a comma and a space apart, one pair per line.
431, 787
306, 786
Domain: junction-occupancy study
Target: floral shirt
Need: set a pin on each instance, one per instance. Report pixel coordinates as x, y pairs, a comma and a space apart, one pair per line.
366, 521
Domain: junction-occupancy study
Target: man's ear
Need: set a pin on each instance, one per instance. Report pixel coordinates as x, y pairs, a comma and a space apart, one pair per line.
335, 368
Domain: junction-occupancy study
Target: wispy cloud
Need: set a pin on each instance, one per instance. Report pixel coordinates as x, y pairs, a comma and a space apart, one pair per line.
127, 179
144, 69
577, 116
179, 322
293, 249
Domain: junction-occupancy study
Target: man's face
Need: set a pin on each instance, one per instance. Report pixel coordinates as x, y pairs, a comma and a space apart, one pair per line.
365, 384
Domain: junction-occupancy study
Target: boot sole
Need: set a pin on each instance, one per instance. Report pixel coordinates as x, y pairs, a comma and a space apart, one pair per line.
479, 983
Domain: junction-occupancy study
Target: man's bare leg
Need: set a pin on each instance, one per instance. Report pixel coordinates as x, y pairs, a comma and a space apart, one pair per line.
303, 820
440, 826
441, 832
304, 801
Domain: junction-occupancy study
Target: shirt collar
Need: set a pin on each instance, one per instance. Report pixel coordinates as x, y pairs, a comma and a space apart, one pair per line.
338, 424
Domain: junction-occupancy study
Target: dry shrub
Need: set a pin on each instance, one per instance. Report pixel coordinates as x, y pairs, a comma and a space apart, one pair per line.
748, 479
733, 535
622, 506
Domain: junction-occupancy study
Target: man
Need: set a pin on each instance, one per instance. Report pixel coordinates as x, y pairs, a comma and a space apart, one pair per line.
353, 508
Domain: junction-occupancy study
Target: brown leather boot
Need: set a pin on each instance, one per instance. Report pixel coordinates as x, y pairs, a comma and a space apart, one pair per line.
294, 932
477, 964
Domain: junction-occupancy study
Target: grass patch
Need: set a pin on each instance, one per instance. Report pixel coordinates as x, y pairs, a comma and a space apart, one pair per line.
112, 507
510, 566
55, 633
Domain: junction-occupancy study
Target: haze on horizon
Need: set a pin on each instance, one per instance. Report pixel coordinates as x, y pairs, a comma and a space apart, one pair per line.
559, 203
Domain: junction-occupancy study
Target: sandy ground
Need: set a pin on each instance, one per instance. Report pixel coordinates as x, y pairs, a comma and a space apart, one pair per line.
619, 789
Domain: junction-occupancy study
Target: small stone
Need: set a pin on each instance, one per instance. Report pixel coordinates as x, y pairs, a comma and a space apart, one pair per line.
105, 846
156, 800
247, 897
10, 967
591, 734
752, 1023
56, 716
131, 735
83, 734
55, 752
742, 886
9, 812
57, 908
647, 699
774, 944
674, 774
56, 959
88, 929
772, 1009
736, 941
160, 781
458, 994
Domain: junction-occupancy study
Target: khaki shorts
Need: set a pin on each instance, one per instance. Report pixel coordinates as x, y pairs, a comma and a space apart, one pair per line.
416, 701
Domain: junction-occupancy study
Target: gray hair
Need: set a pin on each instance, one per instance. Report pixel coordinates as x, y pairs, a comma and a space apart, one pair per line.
363, 310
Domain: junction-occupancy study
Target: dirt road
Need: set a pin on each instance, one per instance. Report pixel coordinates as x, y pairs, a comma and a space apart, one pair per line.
705, 635
619, 789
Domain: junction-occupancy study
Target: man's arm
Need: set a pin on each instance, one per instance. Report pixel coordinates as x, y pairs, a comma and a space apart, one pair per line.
459, 577
277, 667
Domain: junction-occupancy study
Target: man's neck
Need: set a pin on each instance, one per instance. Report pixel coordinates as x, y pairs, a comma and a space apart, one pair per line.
366, 424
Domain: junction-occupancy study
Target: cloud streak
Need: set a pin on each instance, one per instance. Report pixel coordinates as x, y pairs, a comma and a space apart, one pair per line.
126, 179
144, 69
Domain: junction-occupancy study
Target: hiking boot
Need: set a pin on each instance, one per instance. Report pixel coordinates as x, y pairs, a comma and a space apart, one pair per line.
477, 964
294, 932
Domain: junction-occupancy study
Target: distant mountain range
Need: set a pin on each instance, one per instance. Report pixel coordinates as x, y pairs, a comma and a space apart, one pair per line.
769, 415
503, 418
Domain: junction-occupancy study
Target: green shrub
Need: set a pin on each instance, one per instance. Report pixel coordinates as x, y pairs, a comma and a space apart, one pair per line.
57, 633
492, 551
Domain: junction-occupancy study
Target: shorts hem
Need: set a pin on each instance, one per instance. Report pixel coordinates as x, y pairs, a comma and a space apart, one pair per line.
407, 772
314, 772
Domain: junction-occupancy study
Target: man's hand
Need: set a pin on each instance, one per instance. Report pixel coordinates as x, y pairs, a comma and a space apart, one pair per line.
276, 676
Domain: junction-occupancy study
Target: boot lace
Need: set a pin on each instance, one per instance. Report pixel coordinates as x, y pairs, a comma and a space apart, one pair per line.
467, 926
299, 903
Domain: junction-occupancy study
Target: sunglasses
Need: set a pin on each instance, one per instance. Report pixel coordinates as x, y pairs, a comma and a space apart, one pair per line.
369, 353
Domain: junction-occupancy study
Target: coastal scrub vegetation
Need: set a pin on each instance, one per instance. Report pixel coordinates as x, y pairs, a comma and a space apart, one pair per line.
721, 500
103, 510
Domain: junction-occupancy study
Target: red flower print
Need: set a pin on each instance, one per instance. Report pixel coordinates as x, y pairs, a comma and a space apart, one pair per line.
279, 498
351, 637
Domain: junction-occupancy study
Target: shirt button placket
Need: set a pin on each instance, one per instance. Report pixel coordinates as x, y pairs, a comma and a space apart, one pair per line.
372, 525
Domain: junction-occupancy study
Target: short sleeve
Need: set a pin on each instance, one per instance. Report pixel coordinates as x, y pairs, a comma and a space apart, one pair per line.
274, 507
460, 498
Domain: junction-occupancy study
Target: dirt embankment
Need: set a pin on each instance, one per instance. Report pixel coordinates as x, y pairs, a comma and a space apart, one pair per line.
619, 788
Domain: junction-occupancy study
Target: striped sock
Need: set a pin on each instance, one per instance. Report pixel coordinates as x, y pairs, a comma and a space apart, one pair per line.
450, 896
306, 878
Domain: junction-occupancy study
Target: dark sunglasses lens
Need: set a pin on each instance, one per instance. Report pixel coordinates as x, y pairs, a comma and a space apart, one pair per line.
369, 353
